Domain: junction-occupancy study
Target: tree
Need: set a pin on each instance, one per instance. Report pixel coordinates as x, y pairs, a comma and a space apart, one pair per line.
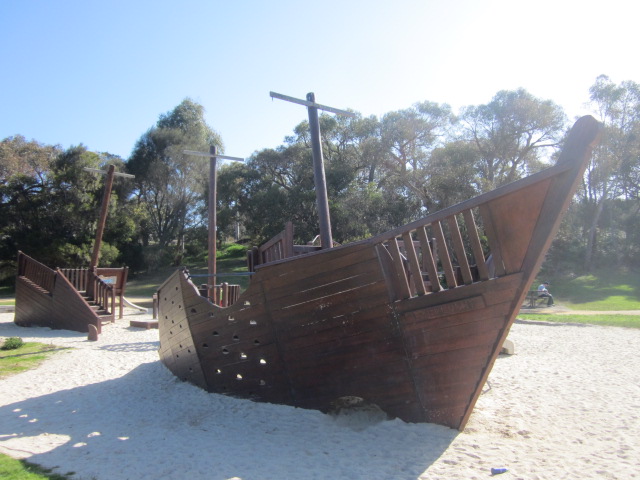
21, 158
408, 137
170, 184
50, 206
511, 134
615, 166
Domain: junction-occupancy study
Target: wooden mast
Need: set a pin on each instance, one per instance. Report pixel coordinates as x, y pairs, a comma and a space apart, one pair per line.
104, 209
322, 200
212, 212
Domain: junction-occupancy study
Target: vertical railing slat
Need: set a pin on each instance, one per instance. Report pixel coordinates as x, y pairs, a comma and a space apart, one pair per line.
401, 277
414, 265
494, 245
428, 260
443, 253
458, 247
476, 246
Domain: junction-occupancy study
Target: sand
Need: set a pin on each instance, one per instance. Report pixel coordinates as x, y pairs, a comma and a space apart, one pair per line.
565, 406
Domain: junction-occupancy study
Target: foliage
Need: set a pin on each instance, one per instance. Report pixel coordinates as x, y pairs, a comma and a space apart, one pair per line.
12, 343
613, 173
510, 133
380, 173
169, 184
50, 210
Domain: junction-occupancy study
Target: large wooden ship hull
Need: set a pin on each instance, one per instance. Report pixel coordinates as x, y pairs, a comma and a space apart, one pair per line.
411, 320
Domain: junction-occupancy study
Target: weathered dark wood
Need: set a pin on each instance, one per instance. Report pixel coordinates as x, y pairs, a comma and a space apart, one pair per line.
60, 305
104, 209
476, 246
443, 254
414, 265
357, 320
459, 249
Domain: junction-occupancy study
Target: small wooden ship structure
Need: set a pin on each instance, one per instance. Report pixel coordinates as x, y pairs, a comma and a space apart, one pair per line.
79, 299
411, 320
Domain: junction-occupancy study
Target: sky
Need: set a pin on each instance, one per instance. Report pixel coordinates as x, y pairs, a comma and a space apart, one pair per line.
101, 73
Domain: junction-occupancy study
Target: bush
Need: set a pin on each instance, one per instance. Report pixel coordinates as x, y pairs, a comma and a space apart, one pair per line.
12, 343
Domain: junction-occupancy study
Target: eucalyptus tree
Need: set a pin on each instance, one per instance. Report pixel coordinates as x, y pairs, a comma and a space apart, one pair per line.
408, 138
613, 174
171, 185
514, 134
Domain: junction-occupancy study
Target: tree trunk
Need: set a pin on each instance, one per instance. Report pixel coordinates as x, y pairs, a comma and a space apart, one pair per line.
591, 234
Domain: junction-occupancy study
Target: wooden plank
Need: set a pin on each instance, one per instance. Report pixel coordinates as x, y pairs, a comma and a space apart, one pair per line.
369, 296
414, 266
476, 246
443, 254
458, 247
428, 260
465, 291
420, 321
334, 339
400, 278
454, 338
518, 213
330, 283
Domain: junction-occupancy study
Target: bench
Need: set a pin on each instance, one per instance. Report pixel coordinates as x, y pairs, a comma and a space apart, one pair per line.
533, 299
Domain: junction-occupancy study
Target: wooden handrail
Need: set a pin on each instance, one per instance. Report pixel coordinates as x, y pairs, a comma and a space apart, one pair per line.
36, 272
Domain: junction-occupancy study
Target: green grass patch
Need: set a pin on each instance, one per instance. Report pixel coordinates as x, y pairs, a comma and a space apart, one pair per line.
229, 259
12, 469
629, 321
604, 290
29, 355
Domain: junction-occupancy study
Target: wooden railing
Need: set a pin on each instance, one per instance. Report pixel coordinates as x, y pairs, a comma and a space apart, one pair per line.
277, 248
79, 277
84, 281
437, 255
36, 272
226, 294
456, 246
104, 295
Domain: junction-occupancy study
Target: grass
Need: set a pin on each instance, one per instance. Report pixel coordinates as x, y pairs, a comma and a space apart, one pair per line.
230, 259
604, 291
12, 469
629, 321
30, 355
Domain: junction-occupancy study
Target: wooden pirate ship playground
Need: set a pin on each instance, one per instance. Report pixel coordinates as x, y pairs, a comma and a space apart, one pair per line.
411, 320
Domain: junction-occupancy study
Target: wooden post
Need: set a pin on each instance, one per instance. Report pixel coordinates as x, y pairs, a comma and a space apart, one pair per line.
326, 238
104, 209
103, 217
318, 162
211, 263
212, 212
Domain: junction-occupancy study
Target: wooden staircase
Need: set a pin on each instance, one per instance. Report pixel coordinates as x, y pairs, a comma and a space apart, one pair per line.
71, 299
101, 312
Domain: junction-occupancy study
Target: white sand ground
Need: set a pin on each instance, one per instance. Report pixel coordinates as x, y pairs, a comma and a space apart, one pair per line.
565, 406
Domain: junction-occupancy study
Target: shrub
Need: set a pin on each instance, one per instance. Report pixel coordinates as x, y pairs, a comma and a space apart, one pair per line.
12, 343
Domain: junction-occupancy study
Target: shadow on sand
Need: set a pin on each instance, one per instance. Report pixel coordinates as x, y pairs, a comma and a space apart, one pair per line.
147, 424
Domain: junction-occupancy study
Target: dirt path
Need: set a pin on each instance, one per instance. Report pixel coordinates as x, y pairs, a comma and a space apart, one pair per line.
560, 310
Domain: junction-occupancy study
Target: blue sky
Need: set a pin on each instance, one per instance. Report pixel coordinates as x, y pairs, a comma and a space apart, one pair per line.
100, 73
